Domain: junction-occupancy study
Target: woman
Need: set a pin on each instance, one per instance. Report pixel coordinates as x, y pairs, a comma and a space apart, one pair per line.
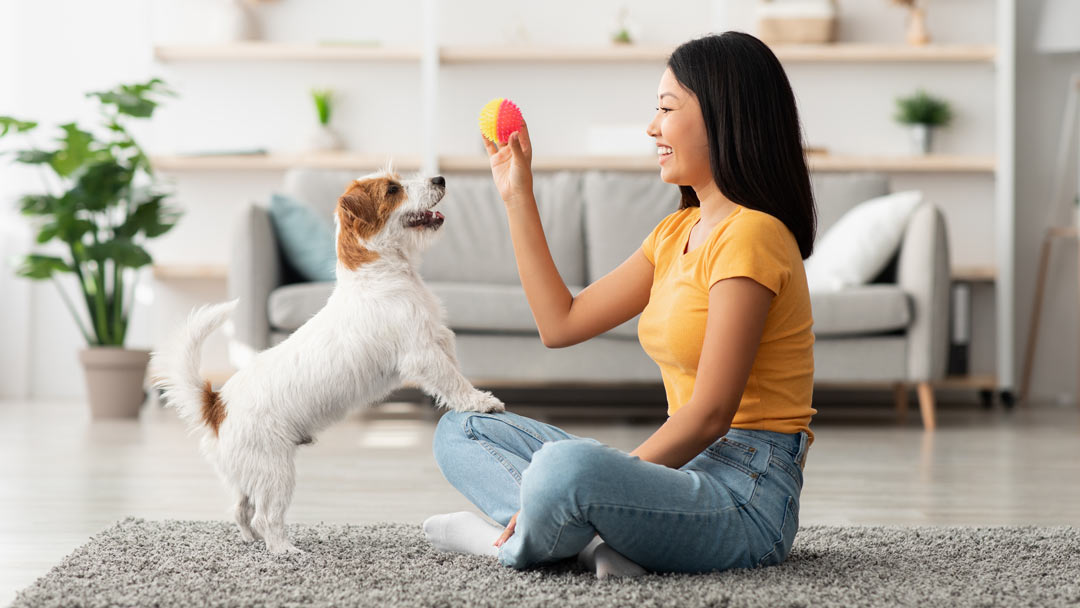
725, 313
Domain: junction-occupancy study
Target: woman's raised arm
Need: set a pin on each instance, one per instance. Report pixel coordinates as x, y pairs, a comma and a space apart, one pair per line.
562, 319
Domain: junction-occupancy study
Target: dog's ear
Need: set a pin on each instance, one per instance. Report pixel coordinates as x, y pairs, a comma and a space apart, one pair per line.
357, 211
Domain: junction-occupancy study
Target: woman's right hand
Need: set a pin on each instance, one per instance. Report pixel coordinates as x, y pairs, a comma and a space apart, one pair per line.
511, 167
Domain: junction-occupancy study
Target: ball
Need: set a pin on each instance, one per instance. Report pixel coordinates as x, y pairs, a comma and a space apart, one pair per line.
499, 118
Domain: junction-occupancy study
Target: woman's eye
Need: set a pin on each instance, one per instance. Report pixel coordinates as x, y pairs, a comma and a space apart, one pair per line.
664, 110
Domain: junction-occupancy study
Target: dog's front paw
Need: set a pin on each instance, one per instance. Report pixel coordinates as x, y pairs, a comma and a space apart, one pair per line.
479, 401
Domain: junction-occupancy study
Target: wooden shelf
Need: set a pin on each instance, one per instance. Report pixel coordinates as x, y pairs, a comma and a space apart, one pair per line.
877, 53
818, 162
824, 53
189, 272
273, 51
974, 274
281, 162
614, 53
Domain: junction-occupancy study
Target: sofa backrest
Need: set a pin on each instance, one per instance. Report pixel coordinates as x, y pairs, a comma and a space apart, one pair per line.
621, 209
836, 193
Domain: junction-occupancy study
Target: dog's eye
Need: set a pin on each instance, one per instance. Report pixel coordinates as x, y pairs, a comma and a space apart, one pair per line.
393, 189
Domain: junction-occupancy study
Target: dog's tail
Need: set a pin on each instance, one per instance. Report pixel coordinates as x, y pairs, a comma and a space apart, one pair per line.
175, 369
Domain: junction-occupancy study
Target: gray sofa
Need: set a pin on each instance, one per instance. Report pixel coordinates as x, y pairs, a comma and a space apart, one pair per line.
893, 330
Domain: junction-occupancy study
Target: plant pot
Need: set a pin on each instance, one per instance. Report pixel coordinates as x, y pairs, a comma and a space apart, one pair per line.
324, 139
114, 380
921, 136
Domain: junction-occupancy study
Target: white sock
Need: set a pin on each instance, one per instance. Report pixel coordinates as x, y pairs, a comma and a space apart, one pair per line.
599, 557
462, 532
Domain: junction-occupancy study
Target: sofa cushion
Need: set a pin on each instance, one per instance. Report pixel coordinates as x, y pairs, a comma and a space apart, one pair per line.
859, 245
865, 309
480, 307
474, 243
291, 306
306, 238
621, 209
837, 193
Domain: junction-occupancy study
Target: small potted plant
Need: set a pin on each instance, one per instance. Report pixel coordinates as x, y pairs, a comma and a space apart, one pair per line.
922, 113
104, 208
324, 138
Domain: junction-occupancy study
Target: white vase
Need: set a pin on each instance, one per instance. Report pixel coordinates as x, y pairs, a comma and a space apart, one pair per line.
239, 22
921, 136
324, 139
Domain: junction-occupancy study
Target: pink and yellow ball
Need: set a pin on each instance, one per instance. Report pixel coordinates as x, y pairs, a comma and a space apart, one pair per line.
499, 118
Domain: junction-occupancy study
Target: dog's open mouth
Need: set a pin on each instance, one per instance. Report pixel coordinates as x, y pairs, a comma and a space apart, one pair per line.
424, 219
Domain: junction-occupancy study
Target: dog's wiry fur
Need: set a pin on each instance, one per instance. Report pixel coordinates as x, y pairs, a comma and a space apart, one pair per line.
380, 327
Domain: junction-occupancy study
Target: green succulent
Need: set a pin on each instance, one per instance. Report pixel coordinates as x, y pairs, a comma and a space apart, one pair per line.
323, 98
922, 109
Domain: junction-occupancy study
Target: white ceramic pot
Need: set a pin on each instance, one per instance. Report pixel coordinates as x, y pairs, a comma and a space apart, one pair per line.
324, 139
114, 380
921, 136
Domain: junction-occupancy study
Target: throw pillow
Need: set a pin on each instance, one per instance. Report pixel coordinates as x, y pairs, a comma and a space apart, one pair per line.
860, 244
306, 238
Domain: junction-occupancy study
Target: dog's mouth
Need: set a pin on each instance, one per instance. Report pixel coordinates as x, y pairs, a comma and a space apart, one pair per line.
424, 219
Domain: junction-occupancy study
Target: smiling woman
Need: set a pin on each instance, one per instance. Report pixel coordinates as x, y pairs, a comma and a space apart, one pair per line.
725, 314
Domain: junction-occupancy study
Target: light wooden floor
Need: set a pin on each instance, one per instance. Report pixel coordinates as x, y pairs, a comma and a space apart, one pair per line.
63, 478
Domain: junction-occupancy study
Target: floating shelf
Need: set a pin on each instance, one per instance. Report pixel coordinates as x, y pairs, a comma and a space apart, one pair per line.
974, 274
477, 162
818, 162
281, 162
189, 272
465, 54
272, 51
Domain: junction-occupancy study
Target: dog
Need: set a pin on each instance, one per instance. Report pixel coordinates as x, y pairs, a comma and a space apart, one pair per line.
380, 327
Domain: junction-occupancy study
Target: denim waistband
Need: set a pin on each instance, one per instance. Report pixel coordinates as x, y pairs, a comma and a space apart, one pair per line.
794, 444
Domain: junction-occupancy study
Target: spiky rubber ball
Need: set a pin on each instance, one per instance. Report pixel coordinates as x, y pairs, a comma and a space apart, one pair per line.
499, 118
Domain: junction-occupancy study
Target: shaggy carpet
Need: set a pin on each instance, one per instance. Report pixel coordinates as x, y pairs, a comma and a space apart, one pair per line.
198, 563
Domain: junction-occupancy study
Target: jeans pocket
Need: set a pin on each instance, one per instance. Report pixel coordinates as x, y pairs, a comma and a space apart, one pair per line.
739, 469
788, 529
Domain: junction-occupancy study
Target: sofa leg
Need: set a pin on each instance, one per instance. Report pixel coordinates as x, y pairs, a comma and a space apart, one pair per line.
900, 394
926, 405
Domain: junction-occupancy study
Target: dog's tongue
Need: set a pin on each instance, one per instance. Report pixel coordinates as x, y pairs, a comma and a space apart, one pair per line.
437, 215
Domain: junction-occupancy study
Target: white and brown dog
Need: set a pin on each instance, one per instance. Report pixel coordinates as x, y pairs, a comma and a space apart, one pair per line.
380, 328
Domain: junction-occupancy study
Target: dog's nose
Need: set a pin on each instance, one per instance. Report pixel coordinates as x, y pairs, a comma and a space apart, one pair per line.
438, 180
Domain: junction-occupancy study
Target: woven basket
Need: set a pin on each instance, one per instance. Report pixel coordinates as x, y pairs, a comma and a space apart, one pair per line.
788, 27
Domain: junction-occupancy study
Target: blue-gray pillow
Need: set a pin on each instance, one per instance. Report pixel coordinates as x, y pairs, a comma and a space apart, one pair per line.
306, 238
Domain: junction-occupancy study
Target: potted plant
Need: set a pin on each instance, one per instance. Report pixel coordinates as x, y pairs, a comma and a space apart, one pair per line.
324, 138
99, 209
921, 113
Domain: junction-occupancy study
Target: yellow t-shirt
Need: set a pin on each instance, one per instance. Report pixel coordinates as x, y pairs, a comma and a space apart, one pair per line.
779, 392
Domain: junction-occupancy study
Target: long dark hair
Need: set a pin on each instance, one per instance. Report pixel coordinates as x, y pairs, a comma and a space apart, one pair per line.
755, 140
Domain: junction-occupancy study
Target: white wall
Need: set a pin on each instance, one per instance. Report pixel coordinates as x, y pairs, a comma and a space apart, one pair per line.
846, 108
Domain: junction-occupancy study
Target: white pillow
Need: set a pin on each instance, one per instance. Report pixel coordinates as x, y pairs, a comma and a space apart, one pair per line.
859, 245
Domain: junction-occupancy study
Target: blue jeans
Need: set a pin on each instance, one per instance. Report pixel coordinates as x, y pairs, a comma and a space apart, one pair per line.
735, 505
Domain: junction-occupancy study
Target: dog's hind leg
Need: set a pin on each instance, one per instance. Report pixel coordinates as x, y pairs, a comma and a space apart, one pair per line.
272, 497
245, 510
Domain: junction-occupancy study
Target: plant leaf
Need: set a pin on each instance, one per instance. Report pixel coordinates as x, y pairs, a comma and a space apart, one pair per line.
122, 251
39, 204
75, 151
21, 126
34, 157
151, 217
35, 266
101, 186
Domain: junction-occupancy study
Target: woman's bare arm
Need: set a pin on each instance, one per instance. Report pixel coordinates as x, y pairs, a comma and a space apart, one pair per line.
738, 308
562, 319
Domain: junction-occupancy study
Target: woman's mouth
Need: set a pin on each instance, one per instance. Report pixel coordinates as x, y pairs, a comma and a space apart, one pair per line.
663, 153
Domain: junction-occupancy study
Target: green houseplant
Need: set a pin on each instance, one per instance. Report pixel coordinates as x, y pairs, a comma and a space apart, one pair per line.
324, 138
101, 204
922, 113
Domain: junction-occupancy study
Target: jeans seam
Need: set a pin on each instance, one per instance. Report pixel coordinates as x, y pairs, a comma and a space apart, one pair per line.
489, 448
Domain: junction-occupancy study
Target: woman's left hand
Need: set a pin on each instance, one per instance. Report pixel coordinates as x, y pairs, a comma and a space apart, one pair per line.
508, 532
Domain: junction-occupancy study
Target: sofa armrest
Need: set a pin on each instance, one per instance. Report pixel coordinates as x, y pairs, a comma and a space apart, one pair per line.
255, 270
923, 272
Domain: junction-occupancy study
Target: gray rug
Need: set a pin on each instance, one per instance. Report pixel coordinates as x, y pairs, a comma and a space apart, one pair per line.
196, 563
